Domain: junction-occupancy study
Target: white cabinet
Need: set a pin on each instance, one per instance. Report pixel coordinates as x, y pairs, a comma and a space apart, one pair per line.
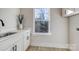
26, 39
12, 48
16, 42
7, 43
74, 32
4, 44
19, 44
66, 12
15, 46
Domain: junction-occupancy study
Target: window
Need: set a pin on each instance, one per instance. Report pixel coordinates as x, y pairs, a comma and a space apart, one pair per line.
41, 20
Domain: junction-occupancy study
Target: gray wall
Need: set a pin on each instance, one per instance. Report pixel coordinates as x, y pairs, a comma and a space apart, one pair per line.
74, 34
59, 29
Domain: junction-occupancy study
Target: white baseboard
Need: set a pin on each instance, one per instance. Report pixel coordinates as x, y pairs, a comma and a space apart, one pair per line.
51, 45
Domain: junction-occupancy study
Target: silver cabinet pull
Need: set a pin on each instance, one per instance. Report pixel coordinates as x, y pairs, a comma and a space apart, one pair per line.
27, 37
14, 48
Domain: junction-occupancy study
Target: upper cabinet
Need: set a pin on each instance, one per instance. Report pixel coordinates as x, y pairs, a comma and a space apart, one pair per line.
66, 12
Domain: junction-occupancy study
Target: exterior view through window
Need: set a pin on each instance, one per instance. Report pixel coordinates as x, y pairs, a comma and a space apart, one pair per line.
41, 20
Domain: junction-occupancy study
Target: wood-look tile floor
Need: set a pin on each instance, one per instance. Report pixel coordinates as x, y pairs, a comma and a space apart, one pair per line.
36, 48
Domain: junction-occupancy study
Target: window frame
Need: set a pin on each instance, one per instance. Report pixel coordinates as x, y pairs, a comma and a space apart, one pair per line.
48, 23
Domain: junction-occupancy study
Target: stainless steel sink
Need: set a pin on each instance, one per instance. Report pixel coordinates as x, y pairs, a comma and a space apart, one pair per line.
7, 34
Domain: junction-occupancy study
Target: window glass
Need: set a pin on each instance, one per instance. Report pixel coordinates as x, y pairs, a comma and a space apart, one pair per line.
41, 20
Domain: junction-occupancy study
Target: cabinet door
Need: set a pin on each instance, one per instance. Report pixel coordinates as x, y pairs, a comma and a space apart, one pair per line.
19, 45
26, 37
10, 48
25, 42
5, 44
15, 46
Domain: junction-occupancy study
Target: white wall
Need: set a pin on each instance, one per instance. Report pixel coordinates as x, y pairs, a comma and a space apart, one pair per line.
9, 17
74, 34
59, 29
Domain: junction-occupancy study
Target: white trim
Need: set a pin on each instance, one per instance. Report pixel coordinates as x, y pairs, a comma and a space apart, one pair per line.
34, 24
50, 44
42, 33
33, 21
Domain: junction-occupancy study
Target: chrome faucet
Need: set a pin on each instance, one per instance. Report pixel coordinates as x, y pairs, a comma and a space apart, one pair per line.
2, 22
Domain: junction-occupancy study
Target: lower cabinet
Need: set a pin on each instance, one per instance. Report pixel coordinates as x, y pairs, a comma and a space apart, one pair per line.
15, 47
26, 40
12, 48
19, 44
16, 42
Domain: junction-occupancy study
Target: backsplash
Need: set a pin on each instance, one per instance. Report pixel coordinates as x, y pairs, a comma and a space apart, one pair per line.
9, 17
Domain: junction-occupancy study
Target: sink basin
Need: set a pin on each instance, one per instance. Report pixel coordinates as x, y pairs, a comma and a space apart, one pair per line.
7, 34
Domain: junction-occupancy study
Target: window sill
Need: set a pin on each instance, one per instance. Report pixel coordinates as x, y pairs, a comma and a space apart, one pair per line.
73, 14
42, 33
